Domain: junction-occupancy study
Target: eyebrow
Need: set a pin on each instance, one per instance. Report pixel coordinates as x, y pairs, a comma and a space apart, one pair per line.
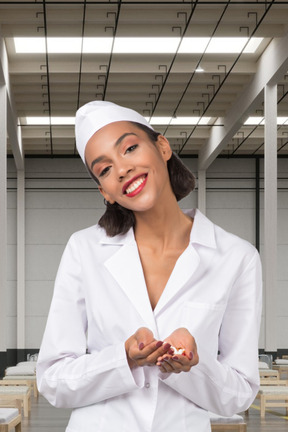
116, 144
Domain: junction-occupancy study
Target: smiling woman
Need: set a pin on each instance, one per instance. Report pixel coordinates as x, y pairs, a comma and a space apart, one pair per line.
118, 219
155, 316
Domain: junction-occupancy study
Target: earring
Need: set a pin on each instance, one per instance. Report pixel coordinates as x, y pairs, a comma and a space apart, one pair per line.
105, 202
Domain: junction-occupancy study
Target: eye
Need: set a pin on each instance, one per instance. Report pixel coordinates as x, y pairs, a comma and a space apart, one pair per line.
131, 148
104, 171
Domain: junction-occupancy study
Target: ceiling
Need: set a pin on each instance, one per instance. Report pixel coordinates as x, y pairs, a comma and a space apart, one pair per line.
154, 84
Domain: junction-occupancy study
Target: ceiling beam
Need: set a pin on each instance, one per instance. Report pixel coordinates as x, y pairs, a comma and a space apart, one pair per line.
272, 65
12, 128
121, 64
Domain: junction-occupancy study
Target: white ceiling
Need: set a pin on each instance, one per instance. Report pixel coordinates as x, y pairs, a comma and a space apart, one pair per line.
153, 84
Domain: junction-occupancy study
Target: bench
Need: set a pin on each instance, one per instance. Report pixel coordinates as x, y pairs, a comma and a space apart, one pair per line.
269, 373
272, 396
222, 423
281, 368
22, 380
10, 415
9, 392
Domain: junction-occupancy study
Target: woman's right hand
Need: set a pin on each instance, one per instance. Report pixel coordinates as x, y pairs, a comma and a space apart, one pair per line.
142, 349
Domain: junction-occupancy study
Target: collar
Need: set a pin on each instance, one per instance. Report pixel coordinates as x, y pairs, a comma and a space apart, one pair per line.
202, 232
119, 239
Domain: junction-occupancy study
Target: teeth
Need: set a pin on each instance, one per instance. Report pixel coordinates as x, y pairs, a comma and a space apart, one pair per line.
132, 187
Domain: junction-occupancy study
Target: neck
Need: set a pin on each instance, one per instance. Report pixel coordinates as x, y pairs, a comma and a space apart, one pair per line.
163, 226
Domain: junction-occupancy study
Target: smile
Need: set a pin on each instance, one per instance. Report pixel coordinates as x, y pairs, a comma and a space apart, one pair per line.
135, 186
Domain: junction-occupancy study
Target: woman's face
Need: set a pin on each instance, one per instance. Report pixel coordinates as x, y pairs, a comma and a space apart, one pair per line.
132, 170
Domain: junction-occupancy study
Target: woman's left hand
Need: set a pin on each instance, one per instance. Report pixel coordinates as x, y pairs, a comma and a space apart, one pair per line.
176, 363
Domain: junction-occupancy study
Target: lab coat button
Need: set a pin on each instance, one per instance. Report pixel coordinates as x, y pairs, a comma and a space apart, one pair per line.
147, 385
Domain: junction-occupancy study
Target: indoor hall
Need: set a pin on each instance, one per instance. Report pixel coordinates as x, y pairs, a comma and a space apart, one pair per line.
211, 77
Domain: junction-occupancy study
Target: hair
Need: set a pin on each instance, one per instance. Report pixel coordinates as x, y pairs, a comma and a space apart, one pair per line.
118, 219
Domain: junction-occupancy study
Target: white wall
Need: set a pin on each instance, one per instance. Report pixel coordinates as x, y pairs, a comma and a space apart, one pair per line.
61, 199
282, 254
11, 255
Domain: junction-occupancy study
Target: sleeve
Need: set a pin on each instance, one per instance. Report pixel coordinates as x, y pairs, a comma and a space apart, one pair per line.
67, 376
229, 383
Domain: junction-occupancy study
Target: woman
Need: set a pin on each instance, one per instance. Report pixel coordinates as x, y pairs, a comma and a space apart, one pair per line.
146, 280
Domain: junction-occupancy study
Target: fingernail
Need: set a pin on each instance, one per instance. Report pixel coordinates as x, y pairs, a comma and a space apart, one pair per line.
167, 346
159, 344
141, 345
191, 355
174, 358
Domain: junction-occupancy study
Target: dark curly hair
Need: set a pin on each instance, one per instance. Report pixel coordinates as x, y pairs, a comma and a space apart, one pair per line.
117, 219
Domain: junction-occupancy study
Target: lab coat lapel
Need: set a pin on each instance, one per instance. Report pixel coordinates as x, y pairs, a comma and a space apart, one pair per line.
125, 267
184, 269
202, 235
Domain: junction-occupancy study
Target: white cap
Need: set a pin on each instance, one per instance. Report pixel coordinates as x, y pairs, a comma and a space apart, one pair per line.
97, 114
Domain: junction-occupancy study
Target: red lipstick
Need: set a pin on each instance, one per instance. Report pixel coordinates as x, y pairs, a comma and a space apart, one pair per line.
138, 188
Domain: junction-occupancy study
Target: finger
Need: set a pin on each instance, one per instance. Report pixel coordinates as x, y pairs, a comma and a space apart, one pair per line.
165, 349
150, 353
176, 363
185, 361
162, 369
166, 367
143, 337
160, 348
173, 366
146, 350
194, 358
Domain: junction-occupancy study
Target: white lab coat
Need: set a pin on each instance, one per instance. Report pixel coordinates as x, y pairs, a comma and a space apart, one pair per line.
100, 300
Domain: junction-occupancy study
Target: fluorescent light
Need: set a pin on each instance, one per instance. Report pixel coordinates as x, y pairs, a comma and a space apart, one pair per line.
190, 121
252, 45
180, 121
46, 121
74, 45
64, 45
224, 45
133, 45
146, 45
199, 69
282, 120
159, 120
254, 121
29, 45
97, 45
164, 121
194, 45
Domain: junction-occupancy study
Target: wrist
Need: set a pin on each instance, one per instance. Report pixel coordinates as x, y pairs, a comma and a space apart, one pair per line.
131, 363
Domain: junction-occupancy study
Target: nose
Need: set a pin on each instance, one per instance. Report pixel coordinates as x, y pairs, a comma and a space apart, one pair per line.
123, 170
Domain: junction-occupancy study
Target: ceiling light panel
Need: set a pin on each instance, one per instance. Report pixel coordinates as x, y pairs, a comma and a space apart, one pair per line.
254, 121
33, 121
61, 121
135, 45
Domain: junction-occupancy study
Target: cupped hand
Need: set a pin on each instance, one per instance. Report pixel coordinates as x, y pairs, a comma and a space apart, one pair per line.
176, 363
142, 349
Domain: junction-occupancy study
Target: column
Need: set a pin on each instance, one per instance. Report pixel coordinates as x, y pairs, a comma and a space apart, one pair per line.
3, 224
202, 191
270, 217
20, 259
